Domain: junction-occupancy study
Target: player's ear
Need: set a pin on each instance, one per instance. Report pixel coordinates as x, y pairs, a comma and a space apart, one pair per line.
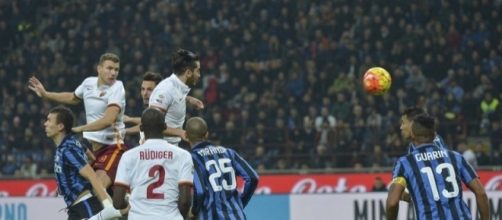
141, 127
60, 127
206, 135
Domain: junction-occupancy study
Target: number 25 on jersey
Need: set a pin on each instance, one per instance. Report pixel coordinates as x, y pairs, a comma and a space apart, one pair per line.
219, 181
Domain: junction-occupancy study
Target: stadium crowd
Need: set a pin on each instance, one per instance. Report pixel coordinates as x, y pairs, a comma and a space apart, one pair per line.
281, 77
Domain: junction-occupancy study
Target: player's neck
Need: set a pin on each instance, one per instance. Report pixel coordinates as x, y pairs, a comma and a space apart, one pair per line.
58, 138
156, 136
182, 78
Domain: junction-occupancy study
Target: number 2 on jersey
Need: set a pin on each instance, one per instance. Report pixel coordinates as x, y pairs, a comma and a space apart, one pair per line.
221, 167
451, 178
152, 173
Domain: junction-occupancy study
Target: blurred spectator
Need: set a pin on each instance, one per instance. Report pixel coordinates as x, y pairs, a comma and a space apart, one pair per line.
468, 155
29, 168
379, 185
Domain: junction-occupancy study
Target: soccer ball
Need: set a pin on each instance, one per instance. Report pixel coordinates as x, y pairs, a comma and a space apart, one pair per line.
377, 81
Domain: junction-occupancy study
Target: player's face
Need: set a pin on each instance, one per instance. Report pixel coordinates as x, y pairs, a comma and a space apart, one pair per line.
51, 126
146, 90
193, 76
405, 127
108, 72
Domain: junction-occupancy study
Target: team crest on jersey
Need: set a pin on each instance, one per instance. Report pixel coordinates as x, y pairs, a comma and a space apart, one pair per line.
103, 158
160, 98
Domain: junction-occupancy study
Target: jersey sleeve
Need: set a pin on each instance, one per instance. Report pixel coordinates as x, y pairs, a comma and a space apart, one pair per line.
160, 99
248, 174
79, 91
187, 169
398, 175
122, 177
467, 173
75, 157
117, 96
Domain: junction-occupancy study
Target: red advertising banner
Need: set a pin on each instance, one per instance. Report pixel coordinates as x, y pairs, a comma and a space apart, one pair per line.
269, 184
345, 182
28, 188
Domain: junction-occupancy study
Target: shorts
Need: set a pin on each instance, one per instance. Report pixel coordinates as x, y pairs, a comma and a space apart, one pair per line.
107, 159
85, 209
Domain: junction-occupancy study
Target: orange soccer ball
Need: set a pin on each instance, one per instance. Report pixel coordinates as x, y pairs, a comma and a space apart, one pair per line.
376, 81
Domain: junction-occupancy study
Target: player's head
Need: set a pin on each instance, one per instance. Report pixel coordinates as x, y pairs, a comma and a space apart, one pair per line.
406, 118
196, 129
108, 68
186, 64
150, 80
59, 121
423, 129
152, 123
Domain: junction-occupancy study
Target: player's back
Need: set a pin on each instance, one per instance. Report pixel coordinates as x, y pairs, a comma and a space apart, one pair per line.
215, 182
433, 176
154, 170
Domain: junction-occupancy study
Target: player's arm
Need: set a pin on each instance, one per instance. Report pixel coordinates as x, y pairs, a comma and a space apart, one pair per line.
471, 179
122, 181
481, 198
108, 211
110, 116
88, 173
195, 102
132, 130
185, 184
185, 198
62, 97
132, 120
119, 193
393, 197
171, 132
249, 176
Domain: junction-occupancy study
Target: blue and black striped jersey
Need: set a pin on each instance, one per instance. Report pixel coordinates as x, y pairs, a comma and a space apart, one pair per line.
215, 184
433, 176
69, 159
438, 141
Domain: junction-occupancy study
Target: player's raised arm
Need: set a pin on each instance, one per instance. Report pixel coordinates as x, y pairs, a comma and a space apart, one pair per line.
61, 97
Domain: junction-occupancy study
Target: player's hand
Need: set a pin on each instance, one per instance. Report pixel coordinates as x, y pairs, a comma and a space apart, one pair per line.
183, 135
108, 212
126, 210
36, 86
127, 119
198, 104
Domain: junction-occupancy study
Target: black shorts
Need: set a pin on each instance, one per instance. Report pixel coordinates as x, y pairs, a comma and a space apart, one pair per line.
85, 209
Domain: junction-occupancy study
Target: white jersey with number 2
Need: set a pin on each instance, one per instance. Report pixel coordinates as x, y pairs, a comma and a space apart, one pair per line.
153, 171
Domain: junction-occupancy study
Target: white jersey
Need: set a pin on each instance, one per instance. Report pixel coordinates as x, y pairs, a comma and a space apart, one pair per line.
153, 171
96, 100
170, 95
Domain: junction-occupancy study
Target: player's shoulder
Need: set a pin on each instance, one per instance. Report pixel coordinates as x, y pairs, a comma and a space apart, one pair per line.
118, 84
454, 153
91, 80
72, 143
